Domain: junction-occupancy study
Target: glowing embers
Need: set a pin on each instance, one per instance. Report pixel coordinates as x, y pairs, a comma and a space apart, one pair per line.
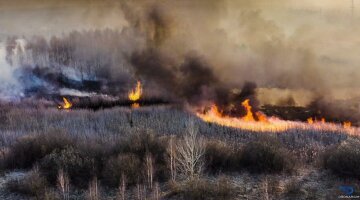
135, 95
66, 104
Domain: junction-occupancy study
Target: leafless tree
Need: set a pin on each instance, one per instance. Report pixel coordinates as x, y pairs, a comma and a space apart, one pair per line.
266, 189
63, 184
122, 187
171, 151
149, 169
190, 152
139, 192
156, 191
94, 190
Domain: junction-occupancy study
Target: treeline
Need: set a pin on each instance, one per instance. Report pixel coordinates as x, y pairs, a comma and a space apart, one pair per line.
94, 53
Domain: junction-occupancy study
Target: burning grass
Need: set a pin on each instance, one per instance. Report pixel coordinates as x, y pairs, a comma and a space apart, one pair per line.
258, 122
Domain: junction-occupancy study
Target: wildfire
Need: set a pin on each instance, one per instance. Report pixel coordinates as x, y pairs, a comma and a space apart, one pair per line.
259, 122
248, 122
66, 104
135, 94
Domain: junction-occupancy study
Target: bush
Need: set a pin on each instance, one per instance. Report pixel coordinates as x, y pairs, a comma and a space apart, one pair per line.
219, 157
33, 184
29, 150
143, 143
77, 165
344, 160
127, 164
146, 143
199, 189
266, 156
293, 189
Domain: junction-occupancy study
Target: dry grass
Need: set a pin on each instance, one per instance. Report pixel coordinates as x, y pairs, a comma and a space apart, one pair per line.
110, 144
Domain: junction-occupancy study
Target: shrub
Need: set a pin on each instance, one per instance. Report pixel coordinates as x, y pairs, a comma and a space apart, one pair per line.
28, 150
199, 189
219, 157
33, 184
77, 165
143, 143
266, 156
146, 143
127, 164
344, 160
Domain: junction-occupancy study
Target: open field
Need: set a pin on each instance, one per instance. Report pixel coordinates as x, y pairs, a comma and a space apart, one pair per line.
92, 147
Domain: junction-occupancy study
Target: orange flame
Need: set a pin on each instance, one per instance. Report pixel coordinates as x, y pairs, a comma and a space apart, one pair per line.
249, 117
135, 105
66, 105
323, 120
271, 124
135, 94
347, 124
262, 117
213, 113
310, 120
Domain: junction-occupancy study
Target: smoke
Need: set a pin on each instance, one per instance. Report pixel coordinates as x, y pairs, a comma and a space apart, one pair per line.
10, 88
202, 52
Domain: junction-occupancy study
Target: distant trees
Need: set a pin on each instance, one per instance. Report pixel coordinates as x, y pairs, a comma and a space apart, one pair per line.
92, 53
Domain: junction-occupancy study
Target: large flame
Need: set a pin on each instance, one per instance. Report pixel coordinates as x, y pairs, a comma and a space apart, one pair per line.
249, 117
271, 124
66, 105
135, 94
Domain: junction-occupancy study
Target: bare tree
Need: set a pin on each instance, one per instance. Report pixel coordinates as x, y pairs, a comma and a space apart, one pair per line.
190, 152
266, 189
139, 192
171, 151
94, 190
63, 184
156, 191
122, 187
149, 169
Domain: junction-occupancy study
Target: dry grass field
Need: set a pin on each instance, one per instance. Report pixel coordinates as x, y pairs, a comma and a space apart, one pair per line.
163, 152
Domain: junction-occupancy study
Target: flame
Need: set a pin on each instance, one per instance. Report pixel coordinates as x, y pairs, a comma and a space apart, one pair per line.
213, 113
135, 94
249, 117
135, 105
347, 124
271, 124
66, 105
310, 120
248, 122
262, 117
323, 120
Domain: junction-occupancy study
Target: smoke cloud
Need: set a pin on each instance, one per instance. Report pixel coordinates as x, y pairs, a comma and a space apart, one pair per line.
198, 51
